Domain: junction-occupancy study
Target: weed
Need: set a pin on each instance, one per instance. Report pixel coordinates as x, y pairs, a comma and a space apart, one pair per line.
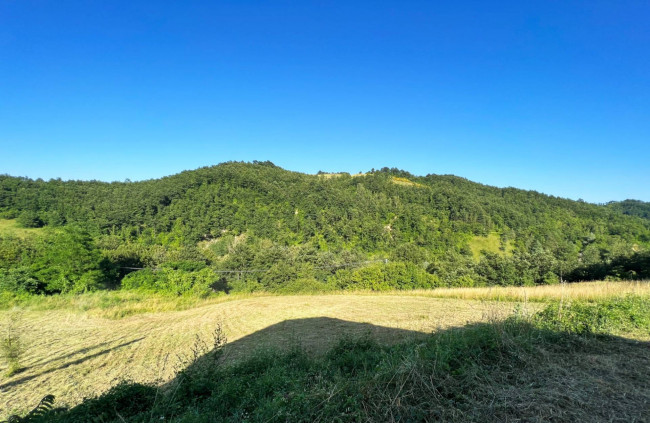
12, 347
630, 314
44, 408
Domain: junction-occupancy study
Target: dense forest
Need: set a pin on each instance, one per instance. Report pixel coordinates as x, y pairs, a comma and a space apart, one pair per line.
255, 226
631, 208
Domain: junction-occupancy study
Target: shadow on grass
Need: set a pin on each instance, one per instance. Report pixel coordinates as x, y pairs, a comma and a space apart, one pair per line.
325, 369
21, 380
316, 335
73, 353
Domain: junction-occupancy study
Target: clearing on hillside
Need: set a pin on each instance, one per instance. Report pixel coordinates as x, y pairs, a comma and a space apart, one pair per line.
11, 227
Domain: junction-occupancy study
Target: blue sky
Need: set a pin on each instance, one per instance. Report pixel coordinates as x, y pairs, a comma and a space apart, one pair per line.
546, 95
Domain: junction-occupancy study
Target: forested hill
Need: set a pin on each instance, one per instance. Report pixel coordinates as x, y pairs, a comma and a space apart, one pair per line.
442, 229
631, 208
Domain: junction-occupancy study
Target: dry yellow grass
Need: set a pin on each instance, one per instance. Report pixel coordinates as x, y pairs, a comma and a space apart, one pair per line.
77, 354
337, 175
406, 182
120, 304
586, 291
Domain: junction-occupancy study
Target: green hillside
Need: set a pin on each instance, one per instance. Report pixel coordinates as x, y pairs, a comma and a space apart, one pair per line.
631, 208
261, 227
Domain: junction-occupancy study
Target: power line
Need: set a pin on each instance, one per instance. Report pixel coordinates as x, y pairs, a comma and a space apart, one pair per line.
240, 271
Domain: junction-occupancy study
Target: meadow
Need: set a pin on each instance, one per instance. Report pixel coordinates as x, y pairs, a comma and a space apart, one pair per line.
80, 346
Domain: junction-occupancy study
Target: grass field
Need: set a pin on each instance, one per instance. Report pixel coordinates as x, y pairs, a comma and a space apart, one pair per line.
491, 243
10, 227
78, 347
76, 354
120, 304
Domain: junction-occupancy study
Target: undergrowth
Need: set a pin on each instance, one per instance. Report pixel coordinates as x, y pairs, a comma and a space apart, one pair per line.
626, 315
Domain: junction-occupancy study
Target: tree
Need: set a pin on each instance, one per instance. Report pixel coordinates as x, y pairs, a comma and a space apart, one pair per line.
69, 261
30, 219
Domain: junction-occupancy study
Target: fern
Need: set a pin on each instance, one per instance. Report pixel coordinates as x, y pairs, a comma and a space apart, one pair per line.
45, 406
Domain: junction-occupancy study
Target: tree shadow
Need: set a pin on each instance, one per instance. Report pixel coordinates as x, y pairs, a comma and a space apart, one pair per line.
316, 335
553, 374
633, 267
221, 285
73, 353
24, 379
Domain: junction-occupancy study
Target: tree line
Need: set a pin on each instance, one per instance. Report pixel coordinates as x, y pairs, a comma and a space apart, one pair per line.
304, 232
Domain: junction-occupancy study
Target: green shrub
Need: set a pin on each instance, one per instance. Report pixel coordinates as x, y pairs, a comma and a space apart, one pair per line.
20, 280
30, 219
169, 281
629, 314
69, 261
302, 285
126, 400
185, 265
144, 280
384, 277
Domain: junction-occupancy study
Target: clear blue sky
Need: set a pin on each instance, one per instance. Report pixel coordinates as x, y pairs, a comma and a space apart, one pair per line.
545, 95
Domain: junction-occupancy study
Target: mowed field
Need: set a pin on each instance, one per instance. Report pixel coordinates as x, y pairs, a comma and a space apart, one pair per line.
78, 352
74, 354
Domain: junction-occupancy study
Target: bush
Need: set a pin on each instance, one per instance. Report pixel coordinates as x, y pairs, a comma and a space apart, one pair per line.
305, 285
383, 277
9, 214
185, 265
629, 314
20, 280
130, 400
69, 261
169, 281
144, 280
30, 219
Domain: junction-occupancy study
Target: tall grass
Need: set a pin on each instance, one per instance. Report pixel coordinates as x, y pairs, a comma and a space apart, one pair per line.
583, 291
623, 315
113, 304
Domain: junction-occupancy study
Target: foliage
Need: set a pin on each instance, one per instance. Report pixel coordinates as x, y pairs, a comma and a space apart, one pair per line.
69, 261
30, 219
282, 227
20, 280
629, 314
631, 208
171, 281
383, 277
44, 409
